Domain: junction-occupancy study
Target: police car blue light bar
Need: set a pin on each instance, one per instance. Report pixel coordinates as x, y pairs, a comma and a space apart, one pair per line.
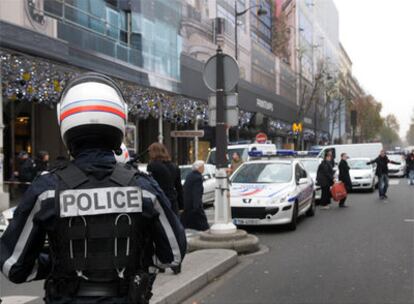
258, 153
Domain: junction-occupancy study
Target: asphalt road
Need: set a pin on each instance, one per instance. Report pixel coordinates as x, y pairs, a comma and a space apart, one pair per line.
362, 254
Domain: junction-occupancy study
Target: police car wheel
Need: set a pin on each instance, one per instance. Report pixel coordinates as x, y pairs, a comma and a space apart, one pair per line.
311, 210
294, 220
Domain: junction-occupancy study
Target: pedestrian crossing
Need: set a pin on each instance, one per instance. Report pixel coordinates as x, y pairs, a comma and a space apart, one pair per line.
18, 299
394, 182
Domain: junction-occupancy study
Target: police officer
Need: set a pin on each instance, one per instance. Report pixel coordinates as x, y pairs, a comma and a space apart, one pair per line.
106, 224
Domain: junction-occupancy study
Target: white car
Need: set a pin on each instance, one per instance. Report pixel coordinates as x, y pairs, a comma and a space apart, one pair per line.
209, 183
271, 192
362, 175
5, 218
397, 170
311, 166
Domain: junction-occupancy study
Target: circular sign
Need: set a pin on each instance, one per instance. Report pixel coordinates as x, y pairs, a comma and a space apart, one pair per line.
261, 138
231, 73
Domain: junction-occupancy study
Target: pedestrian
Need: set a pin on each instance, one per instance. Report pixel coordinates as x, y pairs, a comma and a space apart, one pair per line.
107, 225
41, 162
194, 216
26, 171
166, 174
344, 177
325, 178
410, 167
381, 171
236, 161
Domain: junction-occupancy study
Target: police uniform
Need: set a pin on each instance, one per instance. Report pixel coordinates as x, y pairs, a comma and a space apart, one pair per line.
105, 224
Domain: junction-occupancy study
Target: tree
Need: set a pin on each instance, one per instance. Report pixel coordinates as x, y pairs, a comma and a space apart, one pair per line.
410, 132
369, 120
389, 131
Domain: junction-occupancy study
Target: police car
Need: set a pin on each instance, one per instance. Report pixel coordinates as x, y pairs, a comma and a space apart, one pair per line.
271, 191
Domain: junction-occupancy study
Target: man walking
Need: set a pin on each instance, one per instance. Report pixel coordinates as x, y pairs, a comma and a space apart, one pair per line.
382, 162
410, 167
194, 216
344, 177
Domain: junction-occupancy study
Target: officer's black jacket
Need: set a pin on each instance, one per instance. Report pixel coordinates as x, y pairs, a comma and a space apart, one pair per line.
21, 259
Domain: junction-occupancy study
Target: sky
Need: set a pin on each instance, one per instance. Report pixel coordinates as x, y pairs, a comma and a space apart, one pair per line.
378, 35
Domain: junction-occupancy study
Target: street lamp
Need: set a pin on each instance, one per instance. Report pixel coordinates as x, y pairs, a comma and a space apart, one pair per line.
260, 12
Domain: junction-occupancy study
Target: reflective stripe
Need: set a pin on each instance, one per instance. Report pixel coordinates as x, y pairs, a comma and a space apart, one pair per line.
167, 228
92, 108
32, 276
25, 233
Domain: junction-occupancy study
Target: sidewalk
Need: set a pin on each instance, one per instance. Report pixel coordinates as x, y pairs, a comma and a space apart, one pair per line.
199, 269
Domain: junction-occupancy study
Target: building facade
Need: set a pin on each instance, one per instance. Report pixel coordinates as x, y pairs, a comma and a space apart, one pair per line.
156, 51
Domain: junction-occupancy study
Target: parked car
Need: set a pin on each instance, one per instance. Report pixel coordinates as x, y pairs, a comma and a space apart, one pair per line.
362, 175
397, 170
271, 192
209, 183
369, 150
311, 166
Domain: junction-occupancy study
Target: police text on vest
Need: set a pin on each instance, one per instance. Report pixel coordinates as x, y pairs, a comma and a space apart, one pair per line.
100, 201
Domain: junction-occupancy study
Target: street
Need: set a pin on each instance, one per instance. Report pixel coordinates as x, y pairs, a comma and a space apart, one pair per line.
362, 254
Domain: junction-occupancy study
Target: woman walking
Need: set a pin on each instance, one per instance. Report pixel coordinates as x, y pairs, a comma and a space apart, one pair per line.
325, 178
344, 177
167, 174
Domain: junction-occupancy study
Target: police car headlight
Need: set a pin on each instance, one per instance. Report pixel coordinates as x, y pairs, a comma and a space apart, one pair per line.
3, 220
367, 176
284, 199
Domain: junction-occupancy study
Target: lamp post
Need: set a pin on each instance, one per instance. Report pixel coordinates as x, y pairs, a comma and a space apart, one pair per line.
260, 12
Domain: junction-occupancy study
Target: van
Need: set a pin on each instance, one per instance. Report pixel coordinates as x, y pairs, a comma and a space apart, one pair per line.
243, 151
369, 150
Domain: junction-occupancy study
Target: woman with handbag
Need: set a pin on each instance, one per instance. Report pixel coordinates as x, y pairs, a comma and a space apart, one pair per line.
325, 178
344, 177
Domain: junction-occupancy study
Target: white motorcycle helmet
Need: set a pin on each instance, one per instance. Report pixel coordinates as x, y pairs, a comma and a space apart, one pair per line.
92, 113
124, 156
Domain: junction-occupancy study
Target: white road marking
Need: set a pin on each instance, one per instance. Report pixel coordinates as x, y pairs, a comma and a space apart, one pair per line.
409, 220
17, 299
394, 182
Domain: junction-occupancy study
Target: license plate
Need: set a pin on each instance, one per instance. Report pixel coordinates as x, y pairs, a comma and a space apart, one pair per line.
245, 221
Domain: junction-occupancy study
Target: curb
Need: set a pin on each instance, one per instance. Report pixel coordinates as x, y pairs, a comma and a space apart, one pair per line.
203, 266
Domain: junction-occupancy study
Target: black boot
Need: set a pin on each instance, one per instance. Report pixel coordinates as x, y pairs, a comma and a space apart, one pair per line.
176, 269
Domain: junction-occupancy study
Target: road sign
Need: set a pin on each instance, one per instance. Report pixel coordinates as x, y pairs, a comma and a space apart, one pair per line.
261, 138
231, 109
231, 73
297, 127
187, 133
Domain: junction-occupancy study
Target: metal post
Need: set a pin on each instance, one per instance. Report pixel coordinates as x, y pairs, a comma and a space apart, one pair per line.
160, 127
196, 139
222, 216
4, 197
315, 122
235, 32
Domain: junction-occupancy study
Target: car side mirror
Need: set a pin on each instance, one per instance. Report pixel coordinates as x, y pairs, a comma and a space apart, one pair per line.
302, 181
206, 177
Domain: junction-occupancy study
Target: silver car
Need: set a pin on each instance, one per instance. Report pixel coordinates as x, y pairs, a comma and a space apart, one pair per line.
209, 183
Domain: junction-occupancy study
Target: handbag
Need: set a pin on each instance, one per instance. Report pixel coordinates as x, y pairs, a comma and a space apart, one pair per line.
338, 191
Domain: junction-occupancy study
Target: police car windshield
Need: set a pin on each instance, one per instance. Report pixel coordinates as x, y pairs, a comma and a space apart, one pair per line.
311, 165
358, 164
212, 156
262, 173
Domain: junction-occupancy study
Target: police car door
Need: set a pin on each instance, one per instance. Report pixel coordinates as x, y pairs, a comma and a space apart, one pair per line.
301, 188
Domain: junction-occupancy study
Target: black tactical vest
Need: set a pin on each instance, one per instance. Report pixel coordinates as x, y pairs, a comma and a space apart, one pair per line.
100, 228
